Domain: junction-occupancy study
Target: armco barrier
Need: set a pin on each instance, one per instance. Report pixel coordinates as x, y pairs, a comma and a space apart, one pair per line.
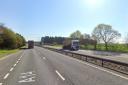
110, 64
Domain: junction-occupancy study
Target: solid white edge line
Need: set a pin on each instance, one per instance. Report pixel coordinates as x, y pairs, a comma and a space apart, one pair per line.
11, 69
103, 69
1, 83
6, 76
109, 72
60, 75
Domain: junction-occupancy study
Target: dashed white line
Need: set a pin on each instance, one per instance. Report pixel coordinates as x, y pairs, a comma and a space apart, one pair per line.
17, 62
60, 75
6, 76
11, 69
14, 65
19, 59
44, 58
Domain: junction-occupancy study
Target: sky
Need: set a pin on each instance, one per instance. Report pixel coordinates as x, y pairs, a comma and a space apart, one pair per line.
36, 18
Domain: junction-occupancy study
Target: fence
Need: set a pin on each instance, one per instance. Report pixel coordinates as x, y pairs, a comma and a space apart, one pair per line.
110, 64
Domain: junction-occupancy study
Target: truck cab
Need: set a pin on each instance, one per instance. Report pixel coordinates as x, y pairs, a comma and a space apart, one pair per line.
30, 44
70, 44
75, 45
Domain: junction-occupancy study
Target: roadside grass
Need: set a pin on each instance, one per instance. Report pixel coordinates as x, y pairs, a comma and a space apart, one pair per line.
111, 47
4, 52
24, 47
101, 47
57, 46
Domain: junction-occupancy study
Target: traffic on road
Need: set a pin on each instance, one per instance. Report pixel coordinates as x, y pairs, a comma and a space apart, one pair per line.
39, 66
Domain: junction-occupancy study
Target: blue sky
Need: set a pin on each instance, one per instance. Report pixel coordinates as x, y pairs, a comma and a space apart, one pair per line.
37, 18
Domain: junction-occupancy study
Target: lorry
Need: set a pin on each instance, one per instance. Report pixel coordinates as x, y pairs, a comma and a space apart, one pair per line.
30, 44
70, 44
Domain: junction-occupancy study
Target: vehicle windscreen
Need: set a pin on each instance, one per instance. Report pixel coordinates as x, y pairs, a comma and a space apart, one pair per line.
76, 43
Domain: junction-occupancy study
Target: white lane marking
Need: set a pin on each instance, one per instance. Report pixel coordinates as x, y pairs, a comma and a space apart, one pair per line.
19, 59
60, 75
6, 76
44, 58
11, 69
27, 77
17, 62
99, 68
27, 80
108, 72
14, 65
28, 73
1, 83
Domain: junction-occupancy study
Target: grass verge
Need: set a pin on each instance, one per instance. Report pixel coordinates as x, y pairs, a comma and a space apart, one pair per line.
57, 46
7, 52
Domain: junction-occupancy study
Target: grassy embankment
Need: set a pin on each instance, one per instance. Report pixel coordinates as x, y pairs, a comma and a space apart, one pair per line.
57, 46
7, 52
111, 47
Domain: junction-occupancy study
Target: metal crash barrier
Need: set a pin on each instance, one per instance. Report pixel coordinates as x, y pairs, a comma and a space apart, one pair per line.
110, 64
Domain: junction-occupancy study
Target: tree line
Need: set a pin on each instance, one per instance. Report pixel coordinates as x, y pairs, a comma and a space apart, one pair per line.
102, 37
102, 33
52, 40
9, 39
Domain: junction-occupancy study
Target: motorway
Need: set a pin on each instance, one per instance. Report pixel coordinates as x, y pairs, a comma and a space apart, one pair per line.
40, 66
121, 57
116, 56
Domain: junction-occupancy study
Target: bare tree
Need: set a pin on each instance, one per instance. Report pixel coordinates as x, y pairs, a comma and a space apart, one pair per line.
105, 33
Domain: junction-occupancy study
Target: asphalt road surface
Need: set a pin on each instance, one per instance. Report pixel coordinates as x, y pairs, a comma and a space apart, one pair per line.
40, 66
121, 57
116, 56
